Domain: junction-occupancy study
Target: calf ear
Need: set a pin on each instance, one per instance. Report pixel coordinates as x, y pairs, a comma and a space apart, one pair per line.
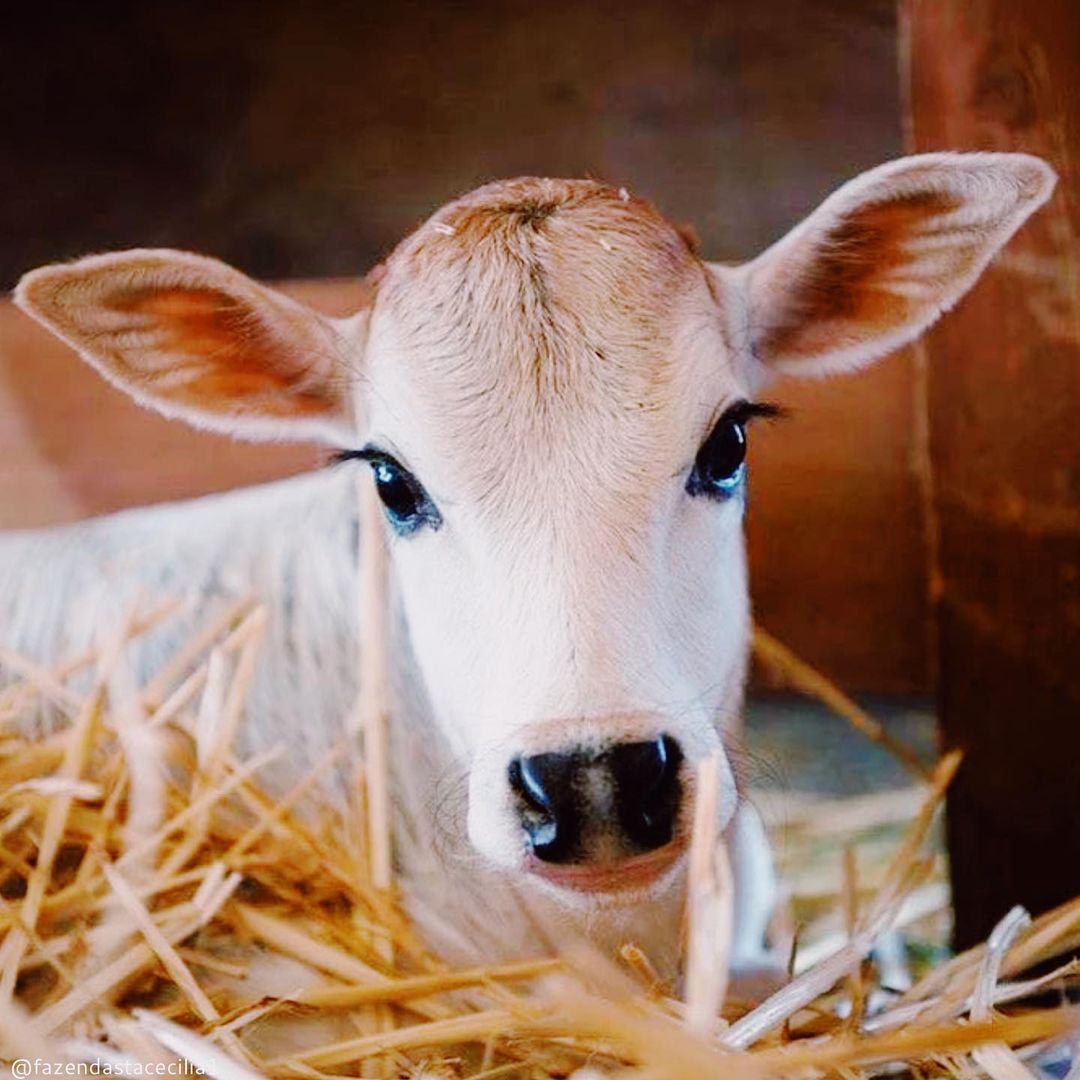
883, 257
195, 339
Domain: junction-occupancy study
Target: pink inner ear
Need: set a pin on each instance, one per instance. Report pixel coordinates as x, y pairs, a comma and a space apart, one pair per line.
840, 285
226, 357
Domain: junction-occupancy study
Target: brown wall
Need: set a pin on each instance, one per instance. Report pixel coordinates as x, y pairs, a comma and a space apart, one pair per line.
1003, 401
837, 556
302, 141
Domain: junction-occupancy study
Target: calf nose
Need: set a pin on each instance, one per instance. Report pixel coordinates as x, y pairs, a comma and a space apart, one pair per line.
583, 804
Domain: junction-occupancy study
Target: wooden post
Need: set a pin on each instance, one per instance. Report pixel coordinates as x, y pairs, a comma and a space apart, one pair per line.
1003, 408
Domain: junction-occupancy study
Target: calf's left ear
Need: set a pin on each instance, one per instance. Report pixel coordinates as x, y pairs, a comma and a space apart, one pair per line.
882, 258
200, 341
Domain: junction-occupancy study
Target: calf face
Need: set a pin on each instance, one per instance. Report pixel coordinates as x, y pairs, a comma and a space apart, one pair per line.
553, 393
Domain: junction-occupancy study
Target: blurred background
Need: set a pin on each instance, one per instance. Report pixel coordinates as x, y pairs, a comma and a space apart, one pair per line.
913, 531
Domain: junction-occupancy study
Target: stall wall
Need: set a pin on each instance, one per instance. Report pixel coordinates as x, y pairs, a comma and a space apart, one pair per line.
1002, 401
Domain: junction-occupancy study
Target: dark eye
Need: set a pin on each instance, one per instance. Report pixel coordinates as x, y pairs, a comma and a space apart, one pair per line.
408, 506
720, 465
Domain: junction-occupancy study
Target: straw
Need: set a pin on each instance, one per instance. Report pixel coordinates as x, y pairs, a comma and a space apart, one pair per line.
255, 936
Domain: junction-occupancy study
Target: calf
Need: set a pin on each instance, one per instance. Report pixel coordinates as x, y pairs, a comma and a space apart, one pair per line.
553, 393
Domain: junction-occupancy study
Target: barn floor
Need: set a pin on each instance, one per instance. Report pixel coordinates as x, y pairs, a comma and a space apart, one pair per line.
794, 744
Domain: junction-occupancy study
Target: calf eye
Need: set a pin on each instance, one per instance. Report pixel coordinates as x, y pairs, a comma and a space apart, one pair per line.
720, 465
408, 506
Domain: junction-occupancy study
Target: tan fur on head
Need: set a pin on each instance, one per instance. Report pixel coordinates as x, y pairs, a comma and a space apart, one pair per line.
540, 327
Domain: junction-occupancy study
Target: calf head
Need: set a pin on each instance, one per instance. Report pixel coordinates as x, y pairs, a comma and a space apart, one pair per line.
553, 393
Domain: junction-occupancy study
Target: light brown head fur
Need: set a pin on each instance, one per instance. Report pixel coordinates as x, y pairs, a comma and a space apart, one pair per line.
539, 320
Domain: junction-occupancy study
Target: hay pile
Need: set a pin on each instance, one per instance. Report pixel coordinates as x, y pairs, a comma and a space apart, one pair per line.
172, 912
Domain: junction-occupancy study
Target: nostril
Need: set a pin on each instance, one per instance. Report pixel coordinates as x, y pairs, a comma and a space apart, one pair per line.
526, 776
648, 790
543, 786
646, 769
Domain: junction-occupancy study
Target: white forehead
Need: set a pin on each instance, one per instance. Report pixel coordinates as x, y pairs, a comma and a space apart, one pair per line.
544, 324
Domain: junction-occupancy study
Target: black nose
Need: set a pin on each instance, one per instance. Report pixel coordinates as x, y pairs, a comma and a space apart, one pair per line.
606, 802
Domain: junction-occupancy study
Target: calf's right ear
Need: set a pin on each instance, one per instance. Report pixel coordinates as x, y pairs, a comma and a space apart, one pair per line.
882, 258
198, 340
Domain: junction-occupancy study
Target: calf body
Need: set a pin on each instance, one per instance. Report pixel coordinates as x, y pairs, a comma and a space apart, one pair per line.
552, 391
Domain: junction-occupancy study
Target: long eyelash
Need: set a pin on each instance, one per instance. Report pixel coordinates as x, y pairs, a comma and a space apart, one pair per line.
367, 453
339, 457
743, 412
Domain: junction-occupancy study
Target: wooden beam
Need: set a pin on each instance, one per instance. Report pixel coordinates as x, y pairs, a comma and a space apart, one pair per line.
1003, 404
